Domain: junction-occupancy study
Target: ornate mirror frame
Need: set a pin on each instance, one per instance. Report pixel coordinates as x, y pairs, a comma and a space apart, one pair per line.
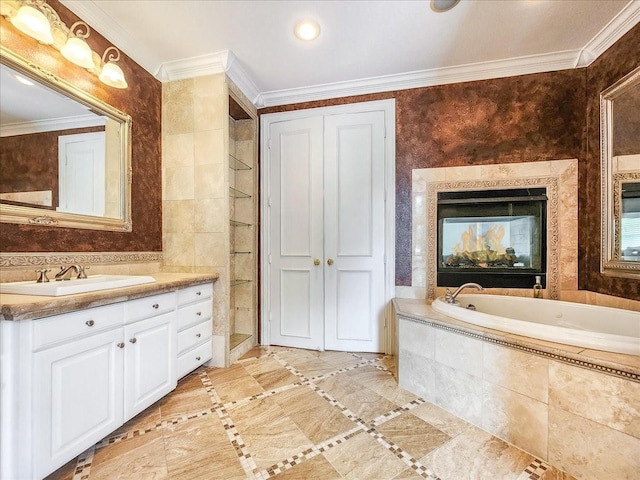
52, 218
611, 185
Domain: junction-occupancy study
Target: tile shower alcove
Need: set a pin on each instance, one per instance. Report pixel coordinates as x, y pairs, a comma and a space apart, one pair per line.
559, 178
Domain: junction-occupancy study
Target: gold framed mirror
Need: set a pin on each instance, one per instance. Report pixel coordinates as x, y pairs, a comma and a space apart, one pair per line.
620, 176
67, 167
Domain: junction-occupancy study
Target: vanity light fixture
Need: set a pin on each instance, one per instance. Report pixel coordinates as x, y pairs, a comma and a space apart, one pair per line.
39, 20
31, 20
111, 73
76, 50
307, 30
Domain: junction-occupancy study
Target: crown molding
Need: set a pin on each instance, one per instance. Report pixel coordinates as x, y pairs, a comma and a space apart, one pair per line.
425, 78
209, 64
628, 17
226, 62
51, 124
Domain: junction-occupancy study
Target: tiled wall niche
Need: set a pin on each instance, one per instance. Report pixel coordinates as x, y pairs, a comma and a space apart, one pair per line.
579, 420
196, 202
560, 177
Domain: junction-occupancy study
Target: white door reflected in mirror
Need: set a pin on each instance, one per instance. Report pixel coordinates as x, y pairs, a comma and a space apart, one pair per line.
81, 171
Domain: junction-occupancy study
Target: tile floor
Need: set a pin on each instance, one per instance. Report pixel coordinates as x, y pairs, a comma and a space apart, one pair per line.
298, 414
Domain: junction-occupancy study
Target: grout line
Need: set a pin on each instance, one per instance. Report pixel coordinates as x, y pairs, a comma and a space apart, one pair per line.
534, 471
83, 464
247, 462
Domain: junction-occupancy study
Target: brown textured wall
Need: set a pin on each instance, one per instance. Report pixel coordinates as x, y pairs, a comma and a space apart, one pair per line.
143, 102
611, 66
518, 119
30, 162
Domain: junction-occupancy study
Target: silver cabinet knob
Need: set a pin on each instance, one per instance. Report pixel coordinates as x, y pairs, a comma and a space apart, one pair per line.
198, 293
198, 358
199, 314
89, 323
156, 306
133, 340
198, 335
121, 345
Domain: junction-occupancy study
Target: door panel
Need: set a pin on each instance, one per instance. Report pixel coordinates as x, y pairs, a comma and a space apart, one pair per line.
295, 316
354, 231
354, 195
354, 303
295, 213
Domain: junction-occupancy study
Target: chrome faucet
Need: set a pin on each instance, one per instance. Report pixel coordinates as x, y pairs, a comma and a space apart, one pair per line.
450, 297
79, 269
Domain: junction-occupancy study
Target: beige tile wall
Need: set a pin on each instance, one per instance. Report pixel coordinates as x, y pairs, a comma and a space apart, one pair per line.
564, 172
195, 198
584, 422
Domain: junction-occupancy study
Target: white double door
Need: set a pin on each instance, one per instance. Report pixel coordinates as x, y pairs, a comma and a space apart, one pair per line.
326, 232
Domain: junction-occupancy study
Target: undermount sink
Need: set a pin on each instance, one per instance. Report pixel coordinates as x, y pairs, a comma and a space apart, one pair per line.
78, 285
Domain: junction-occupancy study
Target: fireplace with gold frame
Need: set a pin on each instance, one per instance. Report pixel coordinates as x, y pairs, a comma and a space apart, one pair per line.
496, 238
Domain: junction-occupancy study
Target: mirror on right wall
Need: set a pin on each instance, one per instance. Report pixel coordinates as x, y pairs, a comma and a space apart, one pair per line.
620, 174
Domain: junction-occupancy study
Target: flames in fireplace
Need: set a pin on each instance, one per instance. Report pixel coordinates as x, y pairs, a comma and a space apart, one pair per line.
484, 250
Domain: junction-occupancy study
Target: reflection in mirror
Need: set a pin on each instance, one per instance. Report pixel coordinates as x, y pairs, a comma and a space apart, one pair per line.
620, 160
629, 221
64, 155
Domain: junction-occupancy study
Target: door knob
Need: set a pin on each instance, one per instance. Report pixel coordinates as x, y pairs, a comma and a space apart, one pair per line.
330, 261
316, 262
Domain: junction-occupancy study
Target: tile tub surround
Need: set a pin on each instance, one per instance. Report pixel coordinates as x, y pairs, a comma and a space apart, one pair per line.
299, 414
27, 307
560, 177
543, 397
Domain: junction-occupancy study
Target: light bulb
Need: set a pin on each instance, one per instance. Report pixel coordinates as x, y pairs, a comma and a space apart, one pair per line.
34, 23
113, 76
307, 30
76, 50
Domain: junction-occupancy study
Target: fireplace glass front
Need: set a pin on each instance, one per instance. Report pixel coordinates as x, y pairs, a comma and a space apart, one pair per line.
496, 238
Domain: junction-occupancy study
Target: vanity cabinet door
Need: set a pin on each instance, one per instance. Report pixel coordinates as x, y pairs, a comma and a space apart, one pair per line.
150, 362
77, 397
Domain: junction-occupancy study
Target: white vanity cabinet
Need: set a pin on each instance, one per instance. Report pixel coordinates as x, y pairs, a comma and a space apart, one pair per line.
77, 385
69, 380
195, 311
150, 351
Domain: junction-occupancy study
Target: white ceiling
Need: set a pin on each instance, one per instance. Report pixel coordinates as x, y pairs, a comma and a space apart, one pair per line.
364, 46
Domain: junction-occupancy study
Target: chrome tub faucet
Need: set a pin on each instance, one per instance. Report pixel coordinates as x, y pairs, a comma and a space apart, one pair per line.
450, 297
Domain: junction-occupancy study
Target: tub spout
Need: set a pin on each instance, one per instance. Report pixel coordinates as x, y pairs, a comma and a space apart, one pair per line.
450, 297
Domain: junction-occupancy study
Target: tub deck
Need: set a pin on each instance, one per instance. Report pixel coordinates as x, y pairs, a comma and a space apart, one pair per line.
617, 364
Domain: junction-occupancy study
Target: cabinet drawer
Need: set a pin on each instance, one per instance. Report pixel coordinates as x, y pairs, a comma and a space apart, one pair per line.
196, 313
150, 306
194, 358
194, 335
195, 293
59, 328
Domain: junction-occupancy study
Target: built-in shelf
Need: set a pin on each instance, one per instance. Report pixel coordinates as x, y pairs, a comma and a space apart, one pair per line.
237, 338
237, 164
235, 223
238, 282
235, 193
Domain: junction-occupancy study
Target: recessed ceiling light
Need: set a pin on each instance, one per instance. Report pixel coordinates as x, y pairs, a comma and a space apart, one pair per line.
307, 30
443, 5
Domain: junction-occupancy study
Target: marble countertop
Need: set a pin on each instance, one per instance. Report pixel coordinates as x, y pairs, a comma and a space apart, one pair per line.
29, 307
420, 310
